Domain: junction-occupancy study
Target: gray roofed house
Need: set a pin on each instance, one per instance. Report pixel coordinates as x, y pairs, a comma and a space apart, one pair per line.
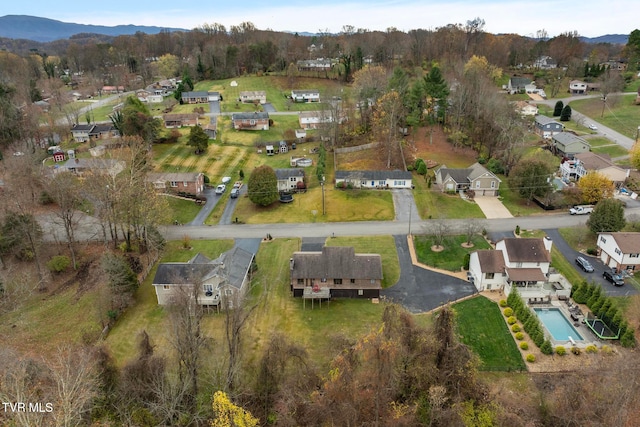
567, 144
81, 166
257, 120
546, 127
476, 177
181, 183
288, 179
374, 179
337, 271
224, 279
199, 97
517, 84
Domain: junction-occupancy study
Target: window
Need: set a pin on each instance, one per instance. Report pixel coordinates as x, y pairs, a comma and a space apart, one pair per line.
518, 265
363, 183
185, 183
337, 281
477, 184
228, 292
360, 292
603, 240
293, 179
323, 280
488, 275
174, 184
166, 287
300, 281
616, 250
634, 255
352, 281
373, 281
493, 184
207, 288
252, 122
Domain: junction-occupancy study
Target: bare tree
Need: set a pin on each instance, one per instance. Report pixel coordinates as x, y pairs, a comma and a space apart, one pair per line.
472, 228
64, 190
237, 311
438, 230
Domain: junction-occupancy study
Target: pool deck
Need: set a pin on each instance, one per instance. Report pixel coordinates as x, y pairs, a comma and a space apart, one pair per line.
584, 331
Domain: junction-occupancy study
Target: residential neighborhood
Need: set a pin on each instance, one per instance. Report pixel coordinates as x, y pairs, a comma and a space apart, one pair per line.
363, 228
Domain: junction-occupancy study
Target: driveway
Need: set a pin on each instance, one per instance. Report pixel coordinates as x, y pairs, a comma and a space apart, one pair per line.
227, 215
596, 277
212, 201
268, 107
404, 205
492, 207
420, 290
214, 108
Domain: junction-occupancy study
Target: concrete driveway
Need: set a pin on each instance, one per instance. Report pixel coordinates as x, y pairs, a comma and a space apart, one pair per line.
492, 207
420, 290
404, 205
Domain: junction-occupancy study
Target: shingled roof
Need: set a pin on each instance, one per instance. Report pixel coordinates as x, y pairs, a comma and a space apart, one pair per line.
491, 261
527, 250
629, 242
336, 262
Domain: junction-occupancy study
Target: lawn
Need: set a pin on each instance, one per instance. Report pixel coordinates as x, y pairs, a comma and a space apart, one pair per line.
249, 138
452, 257
481, 326
516, 204
620, 115
613, 150
182, 210
432, 203
383, 245
579, 237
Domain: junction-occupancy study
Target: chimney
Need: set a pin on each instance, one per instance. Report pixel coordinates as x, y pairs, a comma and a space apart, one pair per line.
291, 264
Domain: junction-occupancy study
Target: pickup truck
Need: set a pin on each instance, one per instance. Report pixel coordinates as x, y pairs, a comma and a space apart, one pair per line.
581, 210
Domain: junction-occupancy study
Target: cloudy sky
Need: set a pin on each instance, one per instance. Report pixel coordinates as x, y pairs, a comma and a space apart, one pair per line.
589, 18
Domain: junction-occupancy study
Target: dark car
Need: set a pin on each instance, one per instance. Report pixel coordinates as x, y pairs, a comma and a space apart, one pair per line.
584, 264
235, 193
616, 279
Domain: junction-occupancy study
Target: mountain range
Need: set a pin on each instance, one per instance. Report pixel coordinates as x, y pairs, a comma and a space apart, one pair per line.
47, 30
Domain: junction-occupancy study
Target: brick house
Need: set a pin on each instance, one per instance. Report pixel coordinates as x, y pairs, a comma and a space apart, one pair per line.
250, 121
179, 183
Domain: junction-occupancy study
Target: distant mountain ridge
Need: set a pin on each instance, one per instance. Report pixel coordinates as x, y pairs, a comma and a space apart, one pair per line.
47, 30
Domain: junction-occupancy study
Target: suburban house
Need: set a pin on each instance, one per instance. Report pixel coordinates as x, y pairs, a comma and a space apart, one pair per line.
620, 250
320, 64
476, 177
525, 108
374, 179
577, 87
520, 262
313, 119
305, 95
250, 121
224, 279
199, 97
566, 144
112, 89
253, 96
83, 166
211, 128
517, 85
545, 62
583, 163
288, 179
84, 133
180, 183
59, 156
546, 127
179, 120
336, 272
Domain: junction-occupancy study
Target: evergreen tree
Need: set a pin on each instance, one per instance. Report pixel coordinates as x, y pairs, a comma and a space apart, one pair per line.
437, 92
565, 116
607, 216
198, 139
557, 110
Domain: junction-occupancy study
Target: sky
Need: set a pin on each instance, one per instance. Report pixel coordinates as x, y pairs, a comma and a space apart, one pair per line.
590, 18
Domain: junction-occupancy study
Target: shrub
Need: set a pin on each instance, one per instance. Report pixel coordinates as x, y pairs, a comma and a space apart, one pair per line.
531, 358
517, 230
502, 303
607, 350
511, 320
592, 251
576, 351
519, 336
561, 351
524, 345
515, 328
591, 349
546, 348
508, 312
538, 339
58, 263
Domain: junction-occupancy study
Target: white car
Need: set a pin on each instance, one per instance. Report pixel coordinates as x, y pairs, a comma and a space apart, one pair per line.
593, 127
221, 189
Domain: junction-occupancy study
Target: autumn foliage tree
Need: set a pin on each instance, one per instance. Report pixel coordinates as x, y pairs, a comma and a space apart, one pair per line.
595, 187
262, 187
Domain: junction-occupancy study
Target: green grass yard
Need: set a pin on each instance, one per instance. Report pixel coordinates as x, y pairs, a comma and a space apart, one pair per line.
481, 326
452, 257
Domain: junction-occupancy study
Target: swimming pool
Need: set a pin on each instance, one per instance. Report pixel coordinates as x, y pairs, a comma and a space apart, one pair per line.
557, 324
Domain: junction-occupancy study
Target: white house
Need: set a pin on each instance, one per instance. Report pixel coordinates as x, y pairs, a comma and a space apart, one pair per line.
577, 87
252, 96
221, 280
305, 95
583, 163
288, 179
374, 179
620, 250
313, 119
520, 262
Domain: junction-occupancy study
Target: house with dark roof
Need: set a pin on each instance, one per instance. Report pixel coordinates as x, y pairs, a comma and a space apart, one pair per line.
620, 250
84, 133
250, 121
515, 262
289, 179
305, 95
476, 177
178, 183
546, 127
174, 120
82, 166
222, 280
567, 144
199, 97
336, 272
517, 85
380, 179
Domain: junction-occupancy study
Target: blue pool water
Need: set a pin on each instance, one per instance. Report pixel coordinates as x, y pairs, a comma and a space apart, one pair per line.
557, 325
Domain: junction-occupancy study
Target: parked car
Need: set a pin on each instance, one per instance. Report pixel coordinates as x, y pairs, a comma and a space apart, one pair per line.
593, 127
584, 264
610, 276
235, 192
581, 210
221, 189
